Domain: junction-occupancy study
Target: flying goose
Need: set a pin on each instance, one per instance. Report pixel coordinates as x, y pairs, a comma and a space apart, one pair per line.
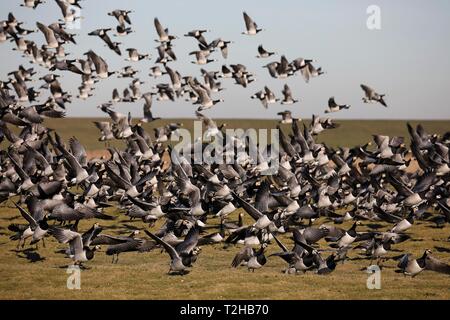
37, 229
286, 116
198, 34
176, 263
122, 16
101, 67
49, 34
105, 129
135, 56
103, 34
262, 53
32, 3
79, 249
372, 96
334, 107
162, 33
287, 93
266, 97
200, 57
250, 25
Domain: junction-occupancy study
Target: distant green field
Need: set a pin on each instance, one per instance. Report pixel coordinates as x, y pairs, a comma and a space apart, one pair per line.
41, 274
350, 133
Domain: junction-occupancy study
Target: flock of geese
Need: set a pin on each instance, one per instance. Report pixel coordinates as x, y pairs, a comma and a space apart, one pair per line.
55, 185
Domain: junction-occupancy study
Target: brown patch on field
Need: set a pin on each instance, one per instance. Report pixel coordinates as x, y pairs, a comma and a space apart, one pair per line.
98, 154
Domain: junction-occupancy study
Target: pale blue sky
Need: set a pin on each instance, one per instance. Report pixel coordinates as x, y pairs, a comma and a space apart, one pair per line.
408, 59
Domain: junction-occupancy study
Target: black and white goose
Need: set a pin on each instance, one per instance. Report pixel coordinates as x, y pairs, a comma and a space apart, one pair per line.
334, 107
250, 25
348, 237
36, 229
372, 96
412, 267
176, 263
287, 93
135, 56
254, 259
79, 251
263, 53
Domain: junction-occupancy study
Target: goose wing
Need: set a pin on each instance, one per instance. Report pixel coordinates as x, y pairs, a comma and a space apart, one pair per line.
249, 23
26, 216
431, 263
170, 250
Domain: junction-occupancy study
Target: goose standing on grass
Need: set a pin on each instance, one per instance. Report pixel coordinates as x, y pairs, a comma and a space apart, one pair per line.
412, 267
372, 95
250, 25
253, 259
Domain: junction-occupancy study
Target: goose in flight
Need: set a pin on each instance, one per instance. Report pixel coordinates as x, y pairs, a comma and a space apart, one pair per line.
266, 97
198, 34
105, 129
262, 53
31, 3
163, 34
201, 58
204, 99
371, 95
122, 16
101, 67
49, 34
78, 247
135, 56
176, 263
103, 34
334, 107
287, 93
250, 25
36, 229
286, 116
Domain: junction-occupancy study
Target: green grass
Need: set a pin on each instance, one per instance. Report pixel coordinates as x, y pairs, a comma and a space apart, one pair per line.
144, 275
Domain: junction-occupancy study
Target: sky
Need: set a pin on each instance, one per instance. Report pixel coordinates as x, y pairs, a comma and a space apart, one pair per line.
407, 59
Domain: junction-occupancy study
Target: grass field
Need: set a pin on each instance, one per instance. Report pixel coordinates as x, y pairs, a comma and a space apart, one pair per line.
41, 274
